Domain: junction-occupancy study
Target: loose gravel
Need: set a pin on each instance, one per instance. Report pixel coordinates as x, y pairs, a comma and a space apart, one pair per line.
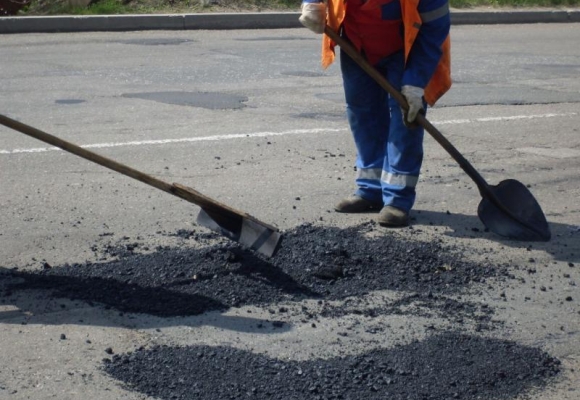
442, 367
314, 262
340, 268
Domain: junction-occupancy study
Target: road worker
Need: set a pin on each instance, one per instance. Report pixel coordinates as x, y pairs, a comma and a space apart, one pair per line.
407, 41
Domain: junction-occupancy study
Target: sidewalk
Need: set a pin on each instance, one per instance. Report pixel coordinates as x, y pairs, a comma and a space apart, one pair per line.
246, 21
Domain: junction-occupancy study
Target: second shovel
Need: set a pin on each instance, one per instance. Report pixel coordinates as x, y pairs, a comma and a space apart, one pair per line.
508, 209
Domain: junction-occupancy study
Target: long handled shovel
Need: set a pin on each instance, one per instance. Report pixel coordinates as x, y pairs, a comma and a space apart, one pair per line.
234, 224
508, 209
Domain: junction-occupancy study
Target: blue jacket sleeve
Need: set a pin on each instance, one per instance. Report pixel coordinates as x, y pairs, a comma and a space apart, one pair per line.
426, 51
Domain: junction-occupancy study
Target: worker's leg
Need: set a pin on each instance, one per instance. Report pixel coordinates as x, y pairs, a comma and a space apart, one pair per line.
368, 115
404, 148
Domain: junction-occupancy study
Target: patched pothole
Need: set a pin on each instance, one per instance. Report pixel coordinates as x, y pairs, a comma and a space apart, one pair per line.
69, 101
303, 74
155, 41
271, 38
212, 101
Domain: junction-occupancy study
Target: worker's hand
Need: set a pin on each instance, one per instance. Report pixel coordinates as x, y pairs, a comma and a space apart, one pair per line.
313, 16
414, 97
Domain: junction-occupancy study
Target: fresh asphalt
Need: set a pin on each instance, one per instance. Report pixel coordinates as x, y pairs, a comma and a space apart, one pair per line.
265, 20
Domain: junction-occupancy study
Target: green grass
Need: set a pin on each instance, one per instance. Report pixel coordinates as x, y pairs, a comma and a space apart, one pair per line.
60, 7
107, 7
513, 3
100, 8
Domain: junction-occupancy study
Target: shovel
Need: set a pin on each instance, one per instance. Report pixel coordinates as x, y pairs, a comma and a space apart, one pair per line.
508, 209
234, 224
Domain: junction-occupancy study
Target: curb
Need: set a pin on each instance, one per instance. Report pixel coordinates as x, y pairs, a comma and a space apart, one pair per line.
514, 17
138, 22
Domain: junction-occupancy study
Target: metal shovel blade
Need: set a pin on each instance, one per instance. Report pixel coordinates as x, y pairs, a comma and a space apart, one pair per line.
522, 217
249, 233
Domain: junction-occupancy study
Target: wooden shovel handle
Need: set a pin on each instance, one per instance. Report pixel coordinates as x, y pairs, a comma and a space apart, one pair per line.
213, 207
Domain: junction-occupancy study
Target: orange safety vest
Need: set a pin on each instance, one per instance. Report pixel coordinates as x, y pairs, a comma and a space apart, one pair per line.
369, 32
440, 81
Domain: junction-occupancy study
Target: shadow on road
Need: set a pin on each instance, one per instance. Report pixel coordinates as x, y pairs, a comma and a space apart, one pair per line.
186, 282
564, 245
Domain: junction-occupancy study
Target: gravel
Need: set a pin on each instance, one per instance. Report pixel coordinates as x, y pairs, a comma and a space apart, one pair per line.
315, 262
443, 367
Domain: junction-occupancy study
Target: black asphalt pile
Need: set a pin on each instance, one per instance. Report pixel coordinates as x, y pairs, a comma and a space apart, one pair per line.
443, 367
346, 262
314, 262
458, 312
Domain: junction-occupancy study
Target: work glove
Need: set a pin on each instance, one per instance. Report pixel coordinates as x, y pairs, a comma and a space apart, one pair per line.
414, 97
313, 16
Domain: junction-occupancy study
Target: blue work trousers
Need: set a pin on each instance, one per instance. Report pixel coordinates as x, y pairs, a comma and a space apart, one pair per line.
389, 155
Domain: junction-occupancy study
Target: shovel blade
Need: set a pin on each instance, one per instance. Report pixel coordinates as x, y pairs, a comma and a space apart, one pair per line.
525, 221
250, 233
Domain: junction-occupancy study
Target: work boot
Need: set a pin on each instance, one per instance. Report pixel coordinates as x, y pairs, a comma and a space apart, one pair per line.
393, 217
356, 204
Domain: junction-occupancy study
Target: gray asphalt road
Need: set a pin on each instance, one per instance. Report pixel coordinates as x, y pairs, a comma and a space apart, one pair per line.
248, 117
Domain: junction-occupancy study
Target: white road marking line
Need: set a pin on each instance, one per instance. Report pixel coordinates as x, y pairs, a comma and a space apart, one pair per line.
495, 119
269, 134
171, 141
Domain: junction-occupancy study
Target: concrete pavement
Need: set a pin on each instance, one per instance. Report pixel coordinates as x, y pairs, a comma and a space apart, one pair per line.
265, 20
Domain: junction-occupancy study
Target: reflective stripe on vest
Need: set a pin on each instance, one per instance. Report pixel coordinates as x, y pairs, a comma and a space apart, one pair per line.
435, 14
